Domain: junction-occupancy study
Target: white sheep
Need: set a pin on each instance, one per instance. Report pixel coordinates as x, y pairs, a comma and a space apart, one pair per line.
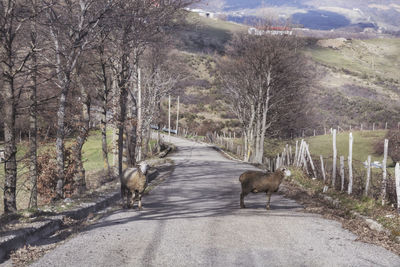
133, 184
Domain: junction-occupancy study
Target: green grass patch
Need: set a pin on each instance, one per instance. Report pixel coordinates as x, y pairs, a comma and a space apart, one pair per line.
363, 145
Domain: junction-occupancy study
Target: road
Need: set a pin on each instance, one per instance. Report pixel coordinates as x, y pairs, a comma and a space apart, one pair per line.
193, 219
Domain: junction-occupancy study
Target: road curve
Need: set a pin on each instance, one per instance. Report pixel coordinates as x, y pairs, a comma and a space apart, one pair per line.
193, 219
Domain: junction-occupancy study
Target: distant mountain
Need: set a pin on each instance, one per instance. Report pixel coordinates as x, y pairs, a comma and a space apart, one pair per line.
317, 14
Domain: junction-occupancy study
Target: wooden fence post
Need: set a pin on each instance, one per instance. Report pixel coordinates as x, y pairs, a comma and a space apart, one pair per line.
296, 153
300, 155
368, 176
311, 161
303, 158
373, 126
342, 172
334, 159
386, 125
169, 118
397, 174
322, 167
287, 155
384, 178
277, 162
350, 162
177, 118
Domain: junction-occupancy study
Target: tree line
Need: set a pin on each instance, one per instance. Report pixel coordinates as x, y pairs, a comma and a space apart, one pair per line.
60, 57
266, 81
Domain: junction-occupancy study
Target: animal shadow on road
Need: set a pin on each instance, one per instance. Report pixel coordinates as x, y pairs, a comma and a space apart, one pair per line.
211, 190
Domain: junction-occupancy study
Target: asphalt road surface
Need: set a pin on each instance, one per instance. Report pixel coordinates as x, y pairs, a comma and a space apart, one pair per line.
193, 219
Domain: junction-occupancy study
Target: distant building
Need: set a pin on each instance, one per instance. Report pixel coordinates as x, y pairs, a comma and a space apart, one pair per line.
203, 13
271, 31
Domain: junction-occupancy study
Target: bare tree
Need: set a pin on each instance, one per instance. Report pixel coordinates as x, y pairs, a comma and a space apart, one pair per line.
160, 76
71, 25
14, 55
104, 91
263, 77
33, 129
137, 24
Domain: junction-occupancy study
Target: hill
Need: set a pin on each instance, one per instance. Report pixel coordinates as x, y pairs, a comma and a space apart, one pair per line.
357, 81
326, 14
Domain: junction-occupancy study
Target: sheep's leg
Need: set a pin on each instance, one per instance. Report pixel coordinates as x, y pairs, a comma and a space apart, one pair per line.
133, 199
128, 199
123, 196
140, 202
268, 200
242, 195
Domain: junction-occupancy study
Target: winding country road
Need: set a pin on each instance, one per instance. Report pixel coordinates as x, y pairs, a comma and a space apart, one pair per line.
193, 219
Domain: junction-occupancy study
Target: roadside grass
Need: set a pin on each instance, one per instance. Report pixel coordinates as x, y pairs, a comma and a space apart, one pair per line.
363, 146
366, 206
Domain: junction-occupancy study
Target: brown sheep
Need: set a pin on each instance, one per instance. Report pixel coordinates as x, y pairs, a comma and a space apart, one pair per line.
257, 181
133, 184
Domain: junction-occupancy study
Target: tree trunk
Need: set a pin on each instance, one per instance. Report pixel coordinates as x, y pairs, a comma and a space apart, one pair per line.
60, 141
159, 129
121, 122
33, 132
116, 114
263, 129
104, 147
139, 124
79, 171
10, 149
103, 124
131, 132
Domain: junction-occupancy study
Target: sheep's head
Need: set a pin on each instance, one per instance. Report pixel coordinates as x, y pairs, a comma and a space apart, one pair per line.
143, 167
286, 171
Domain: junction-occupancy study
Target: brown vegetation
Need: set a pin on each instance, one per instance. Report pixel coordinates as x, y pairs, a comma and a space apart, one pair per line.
55, 57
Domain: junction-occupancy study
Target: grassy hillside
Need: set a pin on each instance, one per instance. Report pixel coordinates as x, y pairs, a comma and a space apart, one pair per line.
376, 60
206, 35
357, 81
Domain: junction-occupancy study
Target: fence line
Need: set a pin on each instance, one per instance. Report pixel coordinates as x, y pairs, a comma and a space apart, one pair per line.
359, 183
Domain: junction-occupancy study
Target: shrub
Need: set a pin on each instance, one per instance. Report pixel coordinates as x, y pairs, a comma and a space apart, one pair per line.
47, 175
394, 145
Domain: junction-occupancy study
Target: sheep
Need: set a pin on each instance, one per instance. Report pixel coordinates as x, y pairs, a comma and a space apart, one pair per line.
133, 184
257, 181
